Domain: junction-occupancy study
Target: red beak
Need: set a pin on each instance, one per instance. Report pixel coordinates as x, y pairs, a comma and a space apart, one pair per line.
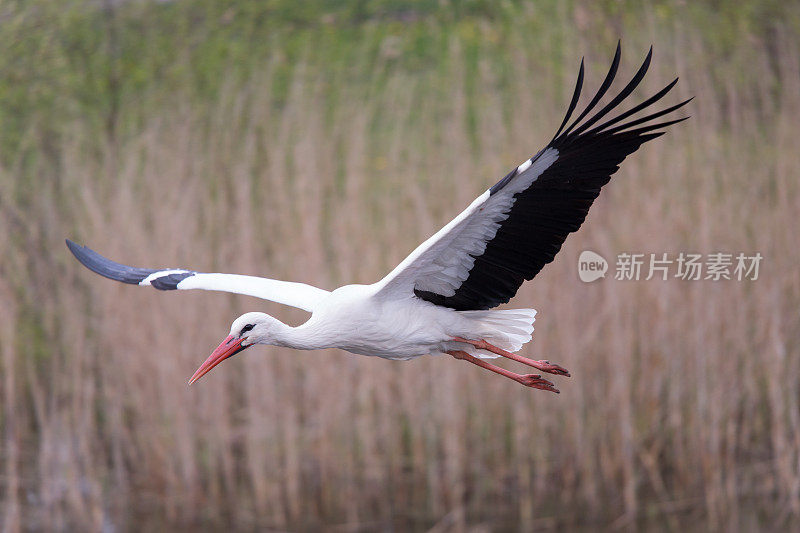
230, 346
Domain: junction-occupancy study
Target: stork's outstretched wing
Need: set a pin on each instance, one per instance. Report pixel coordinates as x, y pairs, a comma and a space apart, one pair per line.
511, 231
297, 295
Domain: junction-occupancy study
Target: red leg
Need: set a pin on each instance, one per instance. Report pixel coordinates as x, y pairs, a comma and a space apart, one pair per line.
543, 365
529, 380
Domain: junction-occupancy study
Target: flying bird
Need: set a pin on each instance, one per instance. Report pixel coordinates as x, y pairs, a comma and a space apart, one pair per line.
440, 299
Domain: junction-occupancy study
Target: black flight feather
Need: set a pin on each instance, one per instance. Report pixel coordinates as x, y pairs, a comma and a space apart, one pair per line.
126, 274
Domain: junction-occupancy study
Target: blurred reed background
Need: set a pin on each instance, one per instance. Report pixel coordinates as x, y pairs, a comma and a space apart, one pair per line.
320, 142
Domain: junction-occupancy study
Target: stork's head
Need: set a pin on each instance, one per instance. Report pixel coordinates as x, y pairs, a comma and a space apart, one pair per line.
247, 330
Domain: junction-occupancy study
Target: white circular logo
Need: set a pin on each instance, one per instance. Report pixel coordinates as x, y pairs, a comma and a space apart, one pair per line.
591, 266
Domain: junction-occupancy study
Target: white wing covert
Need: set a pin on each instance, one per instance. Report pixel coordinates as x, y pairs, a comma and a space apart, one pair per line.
442, 263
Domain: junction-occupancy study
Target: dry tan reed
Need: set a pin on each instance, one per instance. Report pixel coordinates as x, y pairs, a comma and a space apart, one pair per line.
683, 405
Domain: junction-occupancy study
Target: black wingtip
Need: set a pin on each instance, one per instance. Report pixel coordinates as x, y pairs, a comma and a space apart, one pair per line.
106, 267
623, 94
576, 94
83, 254
612, 72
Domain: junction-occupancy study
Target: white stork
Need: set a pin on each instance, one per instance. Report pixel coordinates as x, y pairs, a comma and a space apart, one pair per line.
439, 299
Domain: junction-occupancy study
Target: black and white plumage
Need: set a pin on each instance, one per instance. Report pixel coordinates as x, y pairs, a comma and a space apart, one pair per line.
438, 299
516, 227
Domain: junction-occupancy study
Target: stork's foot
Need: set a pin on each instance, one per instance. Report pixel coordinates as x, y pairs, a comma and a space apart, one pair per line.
543, 365
546, 366
535, 381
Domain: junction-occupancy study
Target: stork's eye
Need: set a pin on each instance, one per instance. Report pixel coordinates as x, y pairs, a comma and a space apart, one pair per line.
248, 327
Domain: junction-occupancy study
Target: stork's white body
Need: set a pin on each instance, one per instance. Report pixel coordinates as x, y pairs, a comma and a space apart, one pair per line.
357, 319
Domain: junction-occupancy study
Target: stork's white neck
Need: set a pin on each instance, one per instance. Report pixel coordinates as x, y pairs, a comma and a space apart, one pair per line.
303, 337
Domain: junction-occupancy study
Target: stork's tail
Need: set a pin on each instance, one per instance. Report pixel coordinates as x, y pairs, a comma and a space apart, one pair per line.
508, 329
